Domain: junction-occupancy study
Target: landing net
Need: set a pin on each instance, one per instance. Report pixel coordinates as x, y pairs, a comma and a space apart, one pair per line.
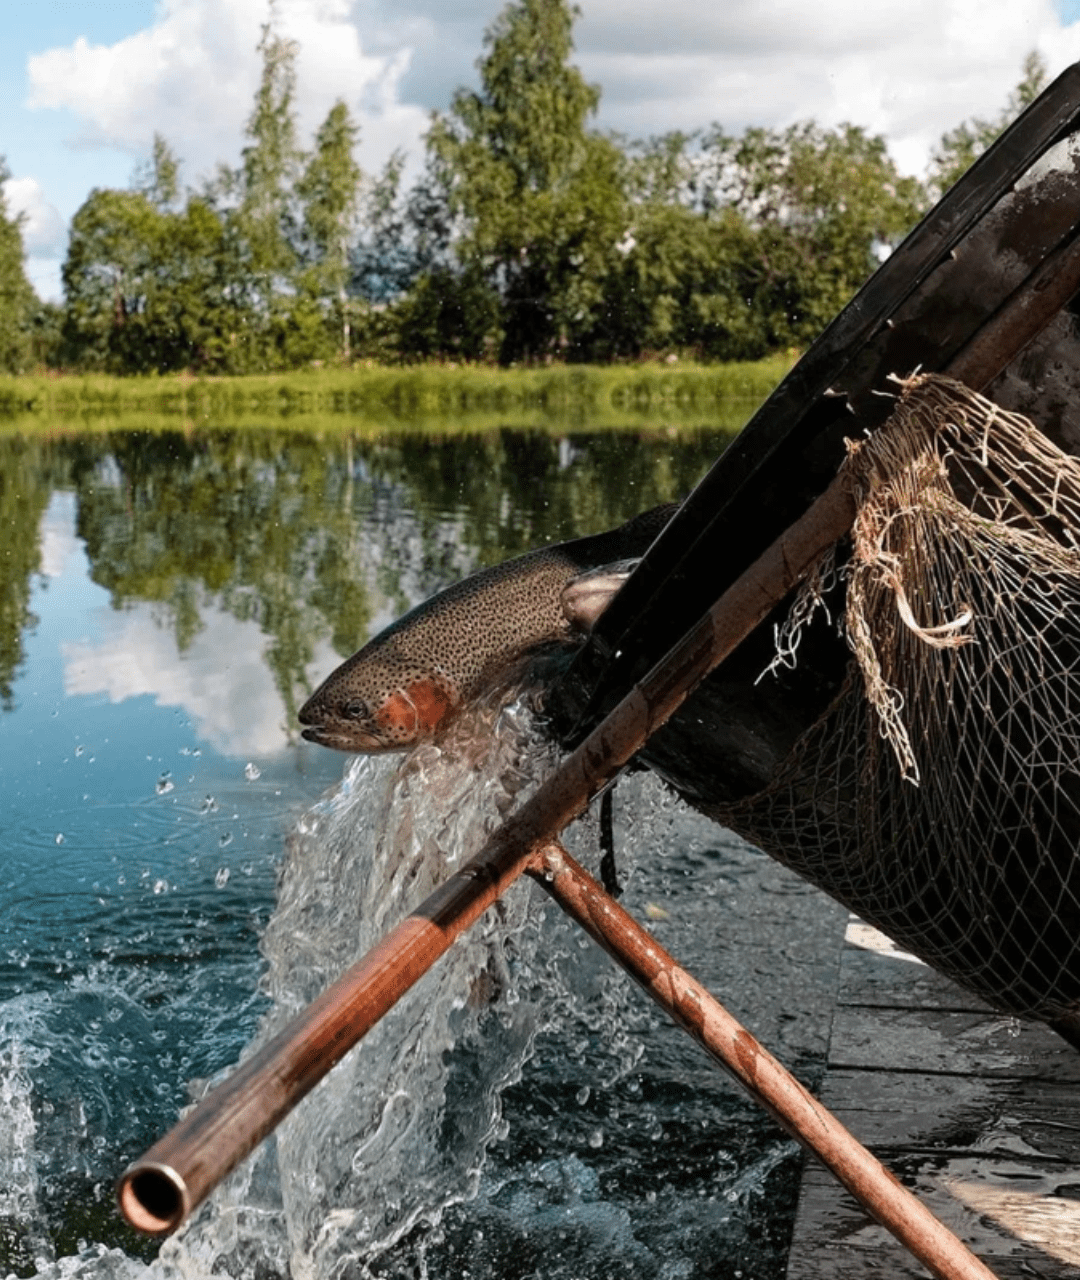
939, 796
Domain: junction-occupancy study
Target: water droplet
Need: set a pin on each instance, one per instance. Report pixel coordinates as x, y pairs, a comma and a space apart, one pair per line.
209, 805
252, 771
225, 840
59, 837
596, 1138
79, 749
164, 785
222, 877
161, 886
583, 1095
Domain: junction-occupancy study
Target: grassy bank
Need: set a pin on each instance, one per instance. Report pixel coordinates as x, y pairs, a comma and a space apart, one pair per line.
426, 397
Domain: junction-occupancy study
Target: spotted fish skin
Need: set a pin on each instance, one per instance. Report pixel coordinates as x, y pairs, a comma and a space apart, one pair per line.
403, 685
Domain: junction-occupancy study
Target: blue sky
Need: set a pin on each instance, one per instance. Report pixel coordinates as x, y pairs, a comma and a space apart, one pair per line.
85, 83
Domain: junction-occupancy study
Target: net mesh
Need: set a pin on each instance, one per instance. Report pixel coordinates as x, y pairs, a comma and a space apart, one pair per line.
939, 796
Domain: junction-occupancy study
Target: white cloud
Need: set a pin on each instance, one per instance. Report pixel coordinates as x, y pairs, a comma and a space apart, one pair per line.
222, 680
59, 541
191, 76
44, 234
909, 73
42, 228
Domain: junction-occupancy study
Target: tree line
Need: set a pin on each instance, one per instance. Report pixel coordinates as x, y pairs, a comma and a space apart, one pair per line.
529, 235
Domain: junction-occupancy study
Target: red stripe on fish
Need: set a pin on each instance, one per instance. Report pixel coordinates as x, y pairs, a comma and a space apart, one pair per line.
417, 709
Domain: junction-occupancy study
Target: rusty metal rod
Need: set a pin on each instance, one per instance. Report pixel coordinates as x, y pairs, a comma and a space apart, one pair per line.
161, 1189
689, 1004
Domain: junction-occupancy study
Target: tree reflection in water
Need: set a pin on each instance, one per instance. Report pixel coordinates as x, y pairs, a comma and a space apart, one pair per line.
315, 536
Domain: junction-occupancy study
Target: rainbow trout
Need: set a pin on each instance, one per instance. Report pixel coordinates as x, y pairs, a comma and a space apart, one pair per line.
403, 685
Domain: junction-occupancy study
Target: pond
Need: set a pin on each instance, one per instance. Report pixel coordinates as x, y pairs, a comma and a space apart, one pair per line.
167, 600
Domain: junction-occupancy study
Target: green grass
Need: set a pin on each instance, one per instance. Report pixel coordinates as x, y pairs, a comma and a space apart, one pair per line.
440, 398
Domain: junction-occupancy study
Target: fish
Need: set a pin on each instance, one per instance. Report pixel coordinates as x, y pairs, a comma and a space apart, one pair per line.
404, 686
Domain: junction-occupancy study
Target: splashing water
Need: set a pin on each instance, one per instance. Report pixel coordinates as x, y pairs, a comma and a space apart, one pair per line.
399, 1129
522, 1111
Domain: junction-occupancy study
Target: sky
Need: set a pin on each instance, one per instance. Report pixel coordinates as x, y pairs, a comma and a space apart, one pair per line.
85, 84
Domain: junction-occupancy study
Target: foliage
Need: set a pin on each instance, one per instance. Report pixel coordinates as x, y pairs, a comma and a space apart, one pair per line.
16, 296
26, 482
329, 190
159, 179
529, 237
269, 168
821, 205
147, 289
539, 198
430, 398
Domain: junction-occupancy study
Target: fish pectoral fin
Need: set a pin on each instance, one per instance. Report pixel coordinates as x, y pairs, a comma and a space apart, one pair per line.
585, 597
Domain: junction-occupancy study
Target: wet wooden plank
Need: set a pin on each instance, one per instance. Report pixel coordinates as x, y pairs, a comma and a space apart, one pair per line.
1018, 1221
941, 1041
947, 1114
875, 973
977, 1113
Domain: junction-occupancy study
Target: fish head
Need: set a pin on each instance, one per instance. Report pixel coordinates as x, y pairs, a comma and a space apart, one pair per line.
367, 705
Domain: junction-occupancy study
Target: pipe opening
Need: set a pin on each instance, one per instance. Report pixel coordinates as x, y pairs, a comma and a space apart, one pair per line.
153, 1199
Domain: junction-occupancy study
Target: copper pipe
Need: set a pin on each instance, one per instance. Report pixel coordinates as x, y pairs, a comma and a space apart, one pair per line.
159, 1191
689, 1004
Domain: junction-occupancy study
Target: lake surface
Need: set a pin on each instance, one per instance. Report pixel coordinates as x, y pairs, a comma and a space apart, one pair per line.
166, 602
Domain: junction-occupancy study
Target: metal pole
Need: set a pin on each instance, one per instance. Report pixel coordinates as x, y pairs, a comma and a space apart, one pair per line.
689, 1004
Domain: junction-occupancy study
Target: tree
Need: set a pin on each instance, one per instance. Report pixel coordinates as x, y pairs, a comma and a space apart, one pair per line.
269, 167
959, 148
739, 245
151, 290
17, 300
159, 179
330, 192
108, 280
822, 205
536, 195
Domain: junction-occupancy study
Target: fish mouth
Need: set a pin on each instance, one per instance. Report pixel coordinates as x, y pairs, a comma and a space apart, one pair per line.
350, 739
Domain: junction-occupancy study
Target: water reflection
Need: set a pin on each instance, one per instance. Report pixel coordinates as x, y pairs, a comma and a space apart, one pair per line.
311, 539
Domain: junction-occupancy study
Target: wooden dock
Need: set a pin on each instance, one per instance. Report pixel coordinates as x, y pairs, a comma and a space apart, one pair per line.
977, 1113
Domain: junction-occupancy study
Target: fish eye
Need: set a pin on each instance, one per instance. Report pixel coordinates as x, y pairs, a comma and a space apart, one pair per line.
355, 709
